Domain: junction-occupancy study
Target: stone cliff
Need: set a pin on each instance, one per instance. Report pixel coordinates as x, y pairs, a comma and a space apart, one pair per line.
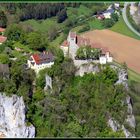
12, 118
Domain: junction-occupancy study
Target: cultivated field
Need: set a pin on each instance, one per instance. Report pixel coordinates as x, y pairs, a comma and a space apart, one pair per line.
123, 48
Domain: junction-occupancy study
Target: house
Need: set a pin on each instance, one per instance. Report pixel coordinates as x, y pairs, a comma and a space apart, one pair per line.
105, 56
40, 61
74, 41
2, 39
107, 13
100, 17
4, 70
2, 30
116, 6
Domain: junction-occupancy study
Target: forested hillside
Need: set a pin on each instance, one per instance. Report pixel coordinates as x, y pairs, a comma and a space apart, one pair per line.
76, 106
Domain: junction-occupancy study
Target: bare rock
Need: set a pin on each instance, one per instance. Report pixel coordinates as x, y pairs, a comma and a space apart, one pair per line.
12, 118
48, 83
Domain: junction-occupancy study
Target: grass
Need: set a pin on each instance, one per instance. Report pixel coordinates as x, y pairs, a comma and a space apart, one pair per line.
122, 28
76, 29
58, 40
21, 46
42, 25
96, 24
133, 76
83, 10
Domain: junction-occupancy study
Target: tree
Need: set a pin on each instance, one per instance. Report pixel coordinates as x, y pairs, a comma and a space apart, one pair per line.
58, 53
3, 19
124, 65
52, 33
38, 95
2, 47
109, 75
14, 32
4, 58
86, 52
108, 23
115, 17
10, 87
80, 53
61, 16
36, 41
40, 81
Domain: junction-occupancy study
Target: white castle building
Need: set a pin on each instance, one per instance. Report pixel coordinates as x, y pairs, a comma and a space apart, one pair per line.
73, 42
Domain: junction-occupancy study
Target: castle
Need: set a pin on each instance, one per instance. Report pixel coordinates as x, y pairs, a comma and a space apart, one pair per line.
74, 41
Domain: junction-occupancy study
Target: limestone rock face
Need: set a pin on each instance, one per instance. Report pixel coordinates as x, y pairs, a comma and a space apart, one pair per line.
85, 66
12, 118
130, 117
48, 83
115, 126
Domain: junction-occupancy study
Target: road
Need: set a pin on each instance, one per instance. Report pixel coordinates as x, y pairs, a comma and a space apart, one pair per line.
126, 20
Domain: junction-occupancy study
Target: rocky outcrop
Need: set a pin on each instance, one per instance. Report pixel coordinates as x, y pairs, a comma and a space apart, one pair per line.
130, 117
87, 67
12, 118
48, 84
130, 120
115, 126
122, 76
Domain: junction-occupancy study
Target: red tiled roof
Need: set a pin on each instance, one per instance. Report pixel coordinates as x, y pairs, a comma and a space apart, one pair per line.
82, 41
2, 39
2, 29
65, 43
104, 50
101, 16
72, 34
44, 57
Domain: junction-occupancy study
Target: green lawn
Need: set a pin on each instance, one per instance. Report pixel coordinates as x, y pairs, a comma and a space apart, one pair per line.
42, 25
83, 10
76, 29
133, 76
95, 24
58, 40
122, 28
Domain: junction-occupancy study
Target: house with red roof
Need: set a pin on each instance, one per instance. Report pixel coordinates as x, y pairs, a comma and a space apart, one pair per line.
2, 38
2, 30
40, 61
74, 41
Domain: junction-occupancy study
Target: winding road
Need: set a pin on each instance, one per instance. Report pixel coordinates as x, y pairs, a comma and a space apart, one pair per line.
126, 20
